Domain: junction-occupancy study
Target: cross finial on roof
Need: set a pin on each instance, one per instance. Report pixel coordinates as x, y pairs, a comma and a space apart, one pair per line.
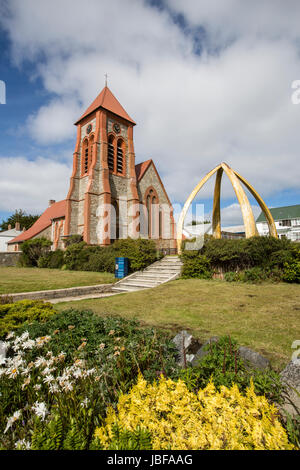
105, 75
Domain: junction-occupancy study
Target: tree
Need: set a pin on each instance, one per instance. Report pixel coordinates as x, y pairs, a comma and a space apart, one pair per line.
25, 220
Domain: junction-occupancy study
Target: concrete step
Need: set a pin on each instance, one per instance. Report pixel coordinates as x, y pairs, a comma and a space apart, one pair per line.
163, 271
154, 276
158, 273
175, 265
139, 283
127, 288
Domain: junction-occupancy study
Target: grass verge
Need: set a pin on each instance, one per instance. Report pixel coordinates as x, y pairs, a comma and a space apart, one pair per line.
13, 280
265, 317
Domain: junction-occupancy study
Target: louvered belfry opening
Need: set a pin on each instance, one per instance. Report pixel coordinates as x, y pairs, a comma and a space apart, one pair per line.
85, 157
120, 157
111, 154
86, 160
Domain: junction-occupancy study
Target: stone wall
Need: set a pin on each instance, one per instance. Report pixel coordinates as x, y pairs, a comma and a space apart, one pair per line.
9, 258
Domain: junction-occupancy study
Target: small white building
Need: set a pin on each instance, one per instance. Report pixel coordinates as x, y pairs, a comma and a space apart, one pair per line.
287, 221
235, 231
8, 235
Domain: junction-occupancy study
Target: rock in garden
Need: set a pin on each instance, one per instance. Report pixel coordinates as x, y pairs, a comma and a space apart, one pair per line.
290, 376
255, 359
2, 352
185, 345
203, 351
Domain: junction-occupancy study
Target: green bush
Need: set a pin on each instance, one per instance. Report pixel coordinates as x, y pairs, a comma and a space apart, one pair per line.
255, 275
141, 252
145, 349
226, 367
291, 272
73, 239
246, 253
232, 276
14, 315
75, 256
52, 260
33, 249
80, 256
99, 259
195, 266
252, 259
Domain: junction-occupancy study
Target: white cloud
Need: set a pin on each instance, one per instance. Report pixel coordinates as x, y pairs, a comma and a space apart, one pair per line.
29, 185
232, 103
231, 215
52, 123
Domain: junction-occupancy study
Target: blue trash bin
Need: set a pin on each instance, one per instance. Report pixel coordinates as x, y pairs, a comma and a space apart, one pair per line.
121, 267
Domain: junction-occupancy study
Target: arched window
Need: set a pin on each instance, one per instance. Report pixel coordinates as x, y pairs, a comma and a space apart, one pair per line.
87, 152
115, 221
111, 153
90, 155
85, 157
152, 204
120, 156
149, 201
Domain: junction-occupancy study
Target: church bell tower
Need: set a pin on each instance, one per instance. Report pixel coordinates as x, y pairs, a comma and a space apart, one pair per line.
103, 173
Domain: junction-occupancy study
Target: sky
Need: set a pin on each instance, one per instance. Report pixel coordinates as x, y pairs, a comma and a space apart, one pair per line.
205, 81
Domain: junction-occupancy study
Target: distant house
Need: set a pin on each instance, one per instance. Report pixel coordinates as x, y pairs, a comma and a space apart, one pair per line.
8, 235
287, 221
235, 231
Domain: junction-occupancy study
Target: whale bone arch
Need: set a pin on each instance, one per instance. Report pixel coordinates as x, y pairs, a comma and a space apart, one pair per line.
247, 213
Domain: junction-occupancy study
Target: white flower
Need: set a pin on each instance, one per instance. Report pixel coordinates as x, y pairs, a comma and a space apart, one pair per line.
53, 387
77, 373
23, 445
27, 382
17, 340
26, 371
29, 344
40, 361
37, 387
84, 403
47, 371
12, 420
10, 335
49, 378
12, 372
40, 409
90, 372
67, 386
60, 357
24, 336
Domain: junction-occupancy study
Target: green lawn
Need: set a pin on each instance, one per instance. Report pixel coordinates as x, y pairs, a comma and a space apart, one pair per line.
13, 280
265, 317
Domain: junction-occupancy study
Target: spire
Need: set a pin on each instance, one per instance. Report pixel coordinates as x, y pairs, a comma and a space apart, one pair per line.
108, 101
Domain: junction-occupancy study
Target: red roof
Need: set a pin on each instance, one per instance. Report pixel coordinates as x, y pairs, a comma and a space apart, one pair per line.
107, 101
58, 209
141, 168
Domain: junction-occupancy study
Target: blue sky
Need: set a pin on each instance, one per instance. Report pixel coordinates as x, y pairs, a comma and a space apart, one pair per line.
205, 82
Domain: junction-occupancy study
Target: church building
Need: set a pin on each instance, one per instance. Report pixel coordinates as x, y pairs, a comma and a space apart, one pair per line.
109, 196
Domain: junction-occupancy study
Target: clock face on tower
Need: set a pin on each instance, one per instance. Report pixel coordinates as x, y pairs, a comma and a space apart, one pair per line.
116, 128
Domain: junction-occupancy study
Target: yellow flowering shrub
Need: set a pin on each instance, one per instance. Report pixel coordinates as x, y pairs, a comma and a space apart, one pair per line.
181, 420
